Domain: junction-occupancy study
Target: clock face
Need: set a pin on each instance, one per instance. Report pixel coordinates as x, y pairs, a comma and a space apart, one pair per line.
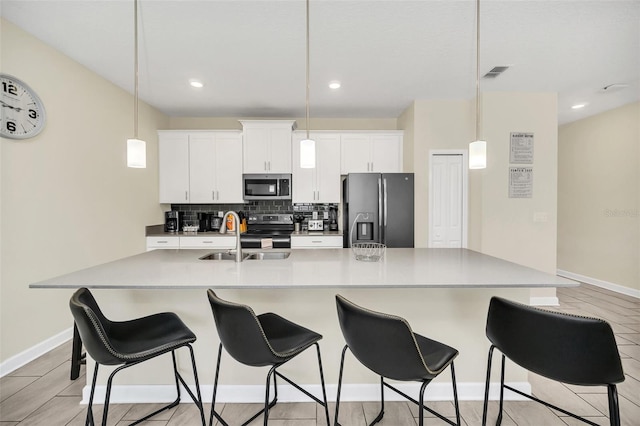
23, 114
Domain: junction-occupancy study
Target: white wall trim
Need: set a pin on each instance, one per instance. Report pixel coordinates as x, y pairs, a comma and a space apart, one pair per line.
544, 301
34, 352
600, 283
139, 394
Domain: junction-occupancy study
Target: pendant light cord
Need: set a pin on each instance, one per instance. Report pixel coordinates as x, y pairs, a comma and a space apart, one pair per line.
135, 71
477, 70
307, 102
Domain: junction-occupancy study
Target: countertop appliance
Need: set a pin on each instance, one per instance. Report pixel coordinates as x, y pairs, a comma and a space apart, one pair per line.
277, 227
266, 187
215, 221
380, 205
171, 221
315, 225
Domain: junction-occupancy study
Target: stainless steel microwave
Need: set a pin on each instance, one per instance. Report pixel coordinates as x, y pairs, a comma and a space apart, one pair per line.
266, 187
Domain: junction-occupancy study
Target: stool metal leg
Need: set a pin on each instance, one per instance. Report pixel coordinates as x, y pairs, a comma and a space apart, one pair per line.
215, 389
324, 391
455, 393
614, 409
381, 413
335, 421
89, 421
499, 420
421, 404
486, 387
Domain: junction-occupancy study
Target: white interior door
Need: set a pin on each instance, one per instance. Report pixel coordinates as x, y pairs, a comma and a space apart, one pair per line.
447, 201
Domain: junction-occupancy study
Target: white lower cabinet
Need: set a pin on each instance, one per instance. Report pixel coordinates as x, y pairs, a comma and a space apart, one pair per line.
154, 243
212, 242
316, 241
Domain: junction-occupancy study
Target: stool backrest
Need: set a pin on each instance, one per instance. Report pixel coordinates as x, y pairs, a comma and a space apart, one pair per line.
383, 343
567, 348
240, 332
93, 327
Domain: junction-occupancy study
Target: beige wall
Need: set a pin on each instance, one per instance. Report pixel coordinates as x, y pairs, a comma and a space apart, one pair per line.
498, 226
599, 197
68, 199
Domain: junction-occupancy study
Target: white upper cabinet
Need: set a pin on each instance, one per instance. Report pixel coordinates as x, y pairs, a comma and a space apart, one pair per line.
200, 167
322, 183
379, 152
267, 146
173, 167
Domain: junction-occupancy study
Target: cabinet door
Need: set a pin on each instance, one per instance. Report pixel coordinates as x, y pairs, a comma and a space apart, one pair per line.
228, 166
304, 185
328, 168
202, 177
355, 153
386, 153
279, 160
173, 167
255, 149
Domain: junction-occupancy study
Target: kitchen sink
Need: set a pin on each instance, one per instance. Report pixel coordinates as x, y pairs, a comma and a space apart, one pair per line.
222, 255
225, 255
268, 255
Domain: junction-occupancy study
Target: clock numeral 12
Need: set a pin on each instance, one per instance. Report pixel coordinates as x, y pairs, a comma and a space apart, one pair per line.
9, 88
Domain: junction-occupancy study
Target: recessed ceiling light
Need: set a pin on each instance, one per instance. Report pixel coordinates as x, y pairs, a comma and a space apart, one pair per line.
196, 83
334, 84
578, 106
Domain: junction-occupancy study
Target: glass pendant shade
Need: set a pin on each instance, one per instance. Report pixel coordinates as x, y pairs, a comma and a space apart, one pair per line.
307, 154
478, 155
136, 153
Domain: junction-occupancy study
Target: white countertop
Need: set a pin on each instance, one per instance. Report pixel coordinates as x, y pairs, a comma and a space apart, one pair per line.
329, 268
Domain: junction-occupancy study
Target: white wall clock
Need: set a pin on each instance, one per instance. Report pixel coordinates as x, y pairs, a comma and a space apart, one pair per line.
23, 114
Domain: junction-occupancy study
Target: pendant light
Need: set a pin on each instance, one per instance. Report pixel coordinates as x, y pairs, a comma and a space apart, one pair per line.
478, 148
136, 148
308, 145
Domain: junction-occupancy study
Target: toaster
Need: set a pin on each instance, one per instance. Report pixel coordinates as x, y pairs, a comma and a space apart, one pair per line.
315, 225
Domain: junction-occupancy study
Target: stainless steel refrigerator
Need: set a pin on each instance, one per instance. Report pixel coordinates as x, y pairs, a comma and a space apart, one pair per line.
378, 207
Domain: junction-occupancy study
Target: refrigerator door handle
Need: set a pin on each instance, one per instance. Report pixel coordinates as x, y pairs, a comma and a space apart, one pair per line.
384, 188
380, 218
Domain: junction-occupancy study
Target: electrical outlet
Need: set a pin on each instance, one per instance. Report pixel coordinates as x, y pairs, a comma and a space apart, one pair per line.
541, 217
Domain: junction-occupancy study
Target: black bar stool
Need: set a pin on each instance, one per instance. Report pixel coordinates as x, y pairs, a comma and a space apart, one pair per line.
567, 348
263, 340
129, 343
386, 345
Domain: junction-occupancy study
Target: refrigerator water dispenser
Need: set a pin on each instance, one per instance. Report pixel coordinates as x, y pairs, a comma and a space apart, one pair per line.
364, 231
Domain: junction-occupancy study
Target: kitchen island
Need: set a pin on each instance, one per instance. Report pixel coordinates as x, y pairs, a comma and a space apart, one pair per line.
443, 293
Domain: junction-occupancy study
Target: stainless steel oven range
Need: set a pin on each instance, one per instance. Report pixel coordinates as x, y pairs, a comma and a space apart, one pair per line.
277, 227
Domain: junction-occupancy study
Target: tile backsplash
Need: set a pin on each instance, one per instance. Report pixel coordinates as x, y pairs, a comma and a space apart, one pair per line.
190, 211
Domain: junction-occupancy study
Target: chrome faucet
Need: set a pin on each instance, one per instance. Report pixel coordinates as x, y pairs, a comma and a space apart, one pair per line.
223, 230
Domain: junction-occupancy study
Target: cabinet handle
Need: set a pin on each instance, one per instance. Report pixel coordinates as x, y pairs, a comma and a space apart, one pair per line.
265, 166
162, 242
316, 242
186, 195
213, 195
218, 195
269, 163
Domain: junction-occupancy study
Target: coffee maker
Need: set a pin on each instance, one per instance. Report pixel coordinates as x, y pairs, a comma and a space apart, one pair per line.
171, 221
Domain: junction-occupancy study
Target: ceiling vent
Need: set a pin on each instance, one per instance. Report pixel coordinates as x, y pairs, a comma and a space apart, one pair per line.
614, 87
496, 71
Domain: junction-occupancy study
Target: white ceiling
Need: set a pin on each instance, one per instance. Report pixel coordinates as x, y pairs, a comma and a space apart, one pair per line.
251, 54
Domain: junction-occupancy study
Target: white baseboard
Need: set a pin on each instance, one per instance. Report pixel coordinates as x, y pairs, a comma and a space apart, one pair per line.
34, 352
138, 394
544, 301
600, 283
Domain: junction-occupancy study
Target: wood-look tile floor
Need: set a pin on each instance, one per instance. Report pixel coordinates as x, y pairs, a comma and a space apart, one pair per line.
40, 393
